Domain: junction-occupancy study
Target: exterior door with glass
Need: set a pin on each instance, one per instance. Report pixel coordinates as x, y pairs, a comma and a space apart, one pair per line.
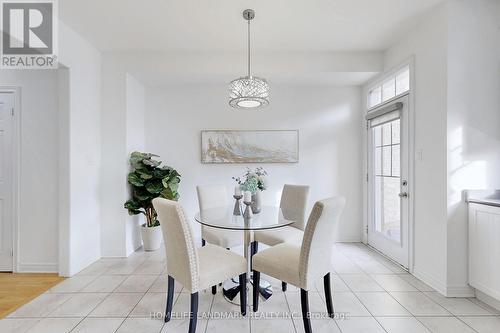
388, 188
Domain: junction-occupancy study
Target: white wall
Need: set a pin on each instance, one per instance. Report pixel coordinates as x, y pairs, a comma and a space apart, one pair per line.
473, 118
39, 169
457, 79
136, 109
327, 117
80, 135
428, 44
122, 131
114, 159
59, 223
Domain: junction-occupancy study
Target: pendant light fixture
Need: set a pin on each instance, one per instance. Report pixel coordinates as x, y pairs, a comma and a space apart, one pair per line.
248, 92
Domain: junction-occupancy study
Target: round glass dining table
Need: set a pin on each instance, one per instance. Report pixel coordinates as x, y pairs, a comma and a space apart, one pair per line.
270, 217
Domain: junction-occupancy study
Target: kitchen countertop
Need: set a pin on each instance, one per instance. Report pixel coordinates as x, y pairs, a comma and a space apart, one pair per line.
484, 197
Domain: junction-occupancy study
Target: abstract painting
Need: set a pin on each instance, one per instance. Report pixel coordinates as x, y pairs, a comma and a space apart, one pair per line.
243, 146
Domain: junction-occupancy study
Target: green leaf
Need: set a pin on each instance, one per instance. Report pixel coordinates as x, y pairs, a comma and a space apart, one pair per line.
143, 195
152, 163
145, 173
174, 173
154, 186
135, 179
168, 194
174, 187
161, 173
136, 159
133, 207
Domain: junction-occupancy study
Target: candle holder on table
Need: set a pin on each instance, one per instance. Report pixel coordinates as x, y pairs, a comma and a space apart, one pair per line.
237, 205
248, 214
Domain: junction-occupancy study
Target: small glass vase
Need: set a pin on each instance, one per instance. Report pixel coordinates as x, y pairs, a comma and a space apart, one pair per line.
256, 203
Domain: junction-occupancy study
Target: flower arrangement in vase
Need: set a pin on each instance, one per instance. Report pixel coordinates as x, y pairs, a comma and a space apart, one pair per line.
253, 181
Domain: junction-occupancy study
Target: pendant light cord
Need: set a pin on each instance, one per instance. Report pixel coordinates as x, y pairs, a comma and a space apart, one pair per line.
249, 48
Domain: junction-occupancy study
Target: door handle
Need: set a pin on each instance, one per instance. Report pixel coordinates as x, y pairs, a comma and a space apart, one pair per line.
403, 195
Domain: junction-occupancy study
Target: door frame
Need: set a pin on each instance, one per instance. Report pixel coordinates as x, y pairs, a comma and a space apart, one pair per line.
411, 153
16, 171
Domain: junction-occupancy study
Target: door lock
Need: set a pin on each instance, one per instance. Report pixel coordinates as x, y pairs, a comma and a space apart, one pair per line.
403, 195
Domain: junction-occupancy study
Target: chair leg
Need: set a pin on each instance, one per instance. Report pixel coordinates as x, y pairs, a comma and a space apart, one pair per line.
170, 298
193, 315
203, 242
283, 286
243, 294
306, 315
214, 290
256, 282
328, 295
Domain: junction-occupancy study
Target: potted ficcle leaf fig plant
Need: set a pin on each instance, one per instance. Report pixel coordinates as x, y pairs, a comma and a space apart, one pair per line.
150, 180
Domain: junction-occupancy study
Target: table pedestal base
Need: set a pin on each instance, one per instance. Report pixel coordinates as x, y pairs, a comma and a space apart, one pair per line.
231, 290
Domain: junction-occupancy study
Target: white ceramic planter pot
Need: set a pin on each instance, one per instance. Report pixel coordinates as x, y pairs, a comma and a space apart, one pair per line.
151, 237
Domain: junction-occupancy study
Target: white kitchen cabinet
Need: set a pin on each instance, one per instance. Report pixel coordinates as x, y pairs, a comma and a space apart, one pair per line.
484, 248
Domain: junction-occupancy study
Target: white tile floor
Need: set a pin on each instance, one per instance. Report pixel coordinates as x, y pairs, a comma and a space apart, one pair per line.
373, 294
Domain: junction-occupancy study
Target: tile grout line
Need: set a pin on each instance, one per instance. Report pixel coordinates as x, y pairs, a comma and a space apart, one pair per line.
383, 328
209, 312
424, 293
289, 311
128, 315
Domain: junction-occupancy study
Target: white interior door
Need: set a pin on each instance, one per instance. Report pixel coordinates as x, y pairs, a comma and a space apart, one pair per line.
6, 179
388, 211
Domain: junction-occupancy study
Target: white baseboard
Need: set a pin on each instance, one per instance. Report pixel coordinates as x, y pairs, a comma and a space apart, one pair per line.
493, 302
348, 240
37, 268
430, 280
441, 287
459, 291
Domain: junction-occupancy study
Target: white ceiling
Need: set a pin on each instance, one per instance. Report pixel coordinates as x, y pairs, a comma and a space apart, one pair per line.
217, 25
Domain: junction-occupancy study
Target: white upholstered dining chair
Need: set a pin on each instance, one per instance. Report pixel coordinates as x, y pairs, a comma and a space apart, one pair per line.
196, 269
293, 204
302, 265
213, 196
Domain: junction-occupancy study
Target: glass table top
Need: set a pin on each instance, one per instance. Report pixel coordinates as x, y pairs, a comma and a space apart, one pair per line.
222, 217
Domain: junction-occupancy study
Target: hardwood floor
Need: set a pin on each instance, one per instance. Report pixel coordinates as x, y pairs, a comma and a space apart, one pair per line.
18, 289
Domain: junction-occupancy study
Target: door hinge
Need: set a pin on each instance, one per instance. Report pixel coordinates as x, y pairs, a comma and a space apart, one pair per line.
366, 229
12, 112
367, 177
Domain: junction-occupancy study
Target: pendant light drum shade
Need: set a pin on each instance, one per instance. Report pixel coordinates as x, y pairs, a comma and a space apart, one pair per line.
248, 92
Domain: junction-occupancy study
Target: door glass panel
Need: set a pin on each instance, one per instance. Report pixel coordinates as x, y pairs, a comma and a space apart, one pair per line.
395, 155
387, 209
386, 161
387, 172
386, 134
395, 131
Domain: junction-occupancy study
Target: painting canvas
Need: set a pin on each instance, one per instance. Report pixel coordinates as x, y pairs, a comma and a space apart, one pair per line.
227, 146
